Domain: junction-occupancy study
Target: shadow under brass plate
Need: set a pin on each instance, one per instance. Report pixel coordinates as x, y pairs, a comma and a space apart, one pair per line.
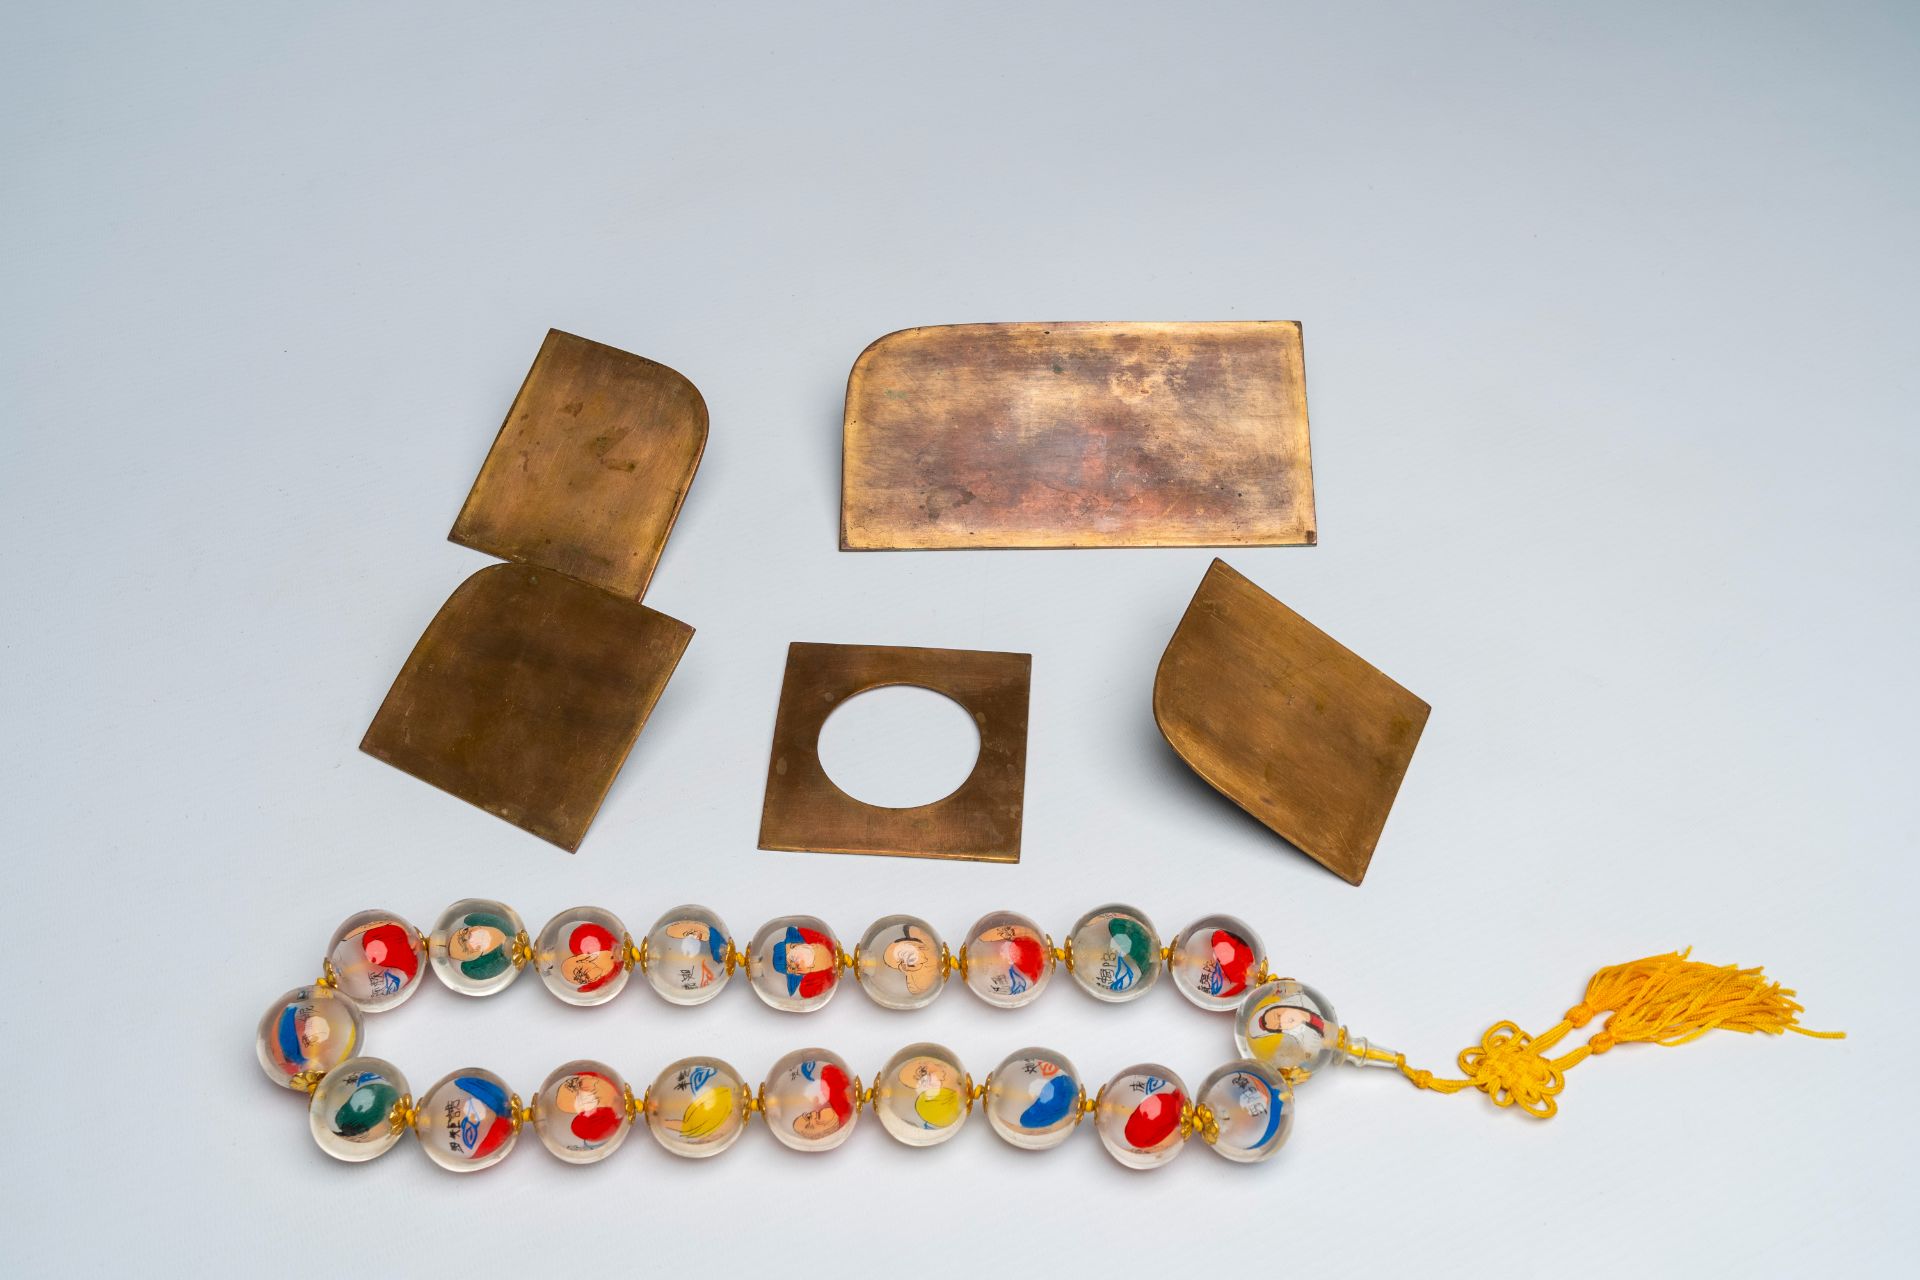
1285, 721
978, 822
590, 468
1078, 435
525, 694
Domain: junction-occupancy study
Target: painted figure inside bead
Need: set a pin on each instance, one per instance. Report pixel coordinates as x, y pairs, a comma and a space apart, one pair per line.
595, 1103
1287, 1034
830, 1098
1129, 950
1054, 1095
936, 1090
807, 960
379, 959
1017, 958
699, 954
1156, 1115
480, 944
915, 957
710, 1102
1230, 967
369, 1105
476, 1118
593, 957
301, 1035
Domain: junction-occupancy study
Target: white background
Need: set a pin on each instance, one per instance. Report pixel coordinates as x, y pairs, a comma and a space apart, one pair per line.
1613, 388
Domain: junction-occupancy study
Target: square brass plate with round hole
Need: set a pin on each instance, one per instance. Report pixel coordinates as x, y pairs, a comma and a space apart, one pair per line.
978, 822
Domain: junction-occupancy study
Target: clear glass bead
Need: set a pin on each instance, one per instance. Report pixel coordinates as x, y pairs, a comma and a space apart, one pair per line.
1007, 960
1115, 954
465, 1122
1215, 960
307, 1033
898, 963
471, 946
581, 956
580, 1113
922, 1095
1252, 1109
1287, 1025
1138, 1116
793, 963
697, 1107
811, 1100
378, 959
687, 955
1033, 1099
352, 1112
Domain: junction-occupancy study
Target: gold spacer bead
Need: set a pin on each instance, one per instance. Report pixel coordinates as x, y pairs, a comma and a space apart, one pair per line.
307, 1081
517, 1113
329, 978
960, 963
634, 1105
402, 1114
734, 959
972, 1092
1061, 954
522, 952
846, 959
631, 956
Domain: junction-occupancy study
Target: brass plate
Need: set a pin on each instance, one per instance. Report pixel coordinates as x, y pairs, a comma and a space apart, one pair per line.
589, 470
1285, 721
1078, 435
525, 694
979, 822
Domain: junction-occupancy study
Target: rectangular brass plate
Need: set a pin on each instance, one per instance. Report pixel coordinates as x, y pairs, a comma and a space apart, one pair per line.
1078, 435
979, 822
525, 694
1285, 721
590, 468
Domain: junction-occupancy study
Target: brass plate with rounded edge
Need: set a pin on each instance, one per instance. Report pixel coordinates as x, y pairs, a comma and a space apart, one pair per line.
525, 694
1084, 434
979, 822
590, 468
1285, 721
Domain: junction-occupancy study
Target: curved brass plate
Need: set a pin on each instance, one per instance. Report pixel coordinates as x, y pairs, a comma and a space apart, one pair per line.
979, 822
1285, 721
590, 468
525, 694
1078, 435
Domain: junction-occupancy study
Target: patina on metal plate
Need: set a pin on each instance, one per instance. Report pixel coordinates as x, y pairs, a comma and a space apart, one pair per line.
525, 694
1078, 435
980, 821
1285, 721
591, 466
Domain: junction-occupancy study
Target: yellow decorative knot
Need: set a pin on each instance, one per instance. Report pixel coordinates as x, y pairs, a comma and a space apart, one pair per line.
631, 956
846, 959
329, 977
522, 951
518, 1114
1062, 954
1666, 999
403, 1113
955, 962
734, 959
971, 1092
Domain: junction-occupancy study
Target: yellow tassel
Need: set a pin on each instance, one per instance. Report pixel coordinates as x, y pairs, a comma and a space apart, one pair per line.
1665, 999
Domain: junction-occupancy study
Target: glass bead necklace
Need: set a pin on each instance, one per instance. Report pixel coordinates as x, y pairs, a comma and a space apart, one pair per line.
310, 1039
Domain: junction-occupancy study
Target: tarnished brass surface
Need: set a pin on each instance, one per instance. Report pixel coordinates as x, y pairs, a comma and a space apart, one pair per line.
978, 822
1078, 435
590, 468
524, 695
1285, 721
